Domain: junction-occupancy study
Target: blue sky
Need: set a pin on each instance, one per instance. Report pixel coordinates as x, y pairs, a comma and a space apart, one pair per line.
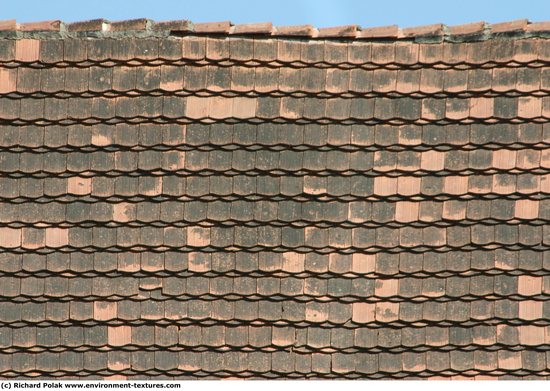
321, 13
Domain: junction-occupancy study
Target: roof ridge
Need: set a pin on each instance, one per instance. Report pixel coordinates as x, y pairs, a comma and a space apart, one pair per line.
143, 27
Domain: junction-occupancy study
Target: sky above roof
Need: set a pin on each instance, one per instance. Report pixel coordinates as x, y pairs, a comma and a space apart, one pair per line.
320, 13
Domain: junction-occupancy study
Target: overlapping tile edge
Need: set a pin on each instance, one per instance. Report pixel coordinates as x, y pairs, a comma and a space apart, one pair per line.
377, 214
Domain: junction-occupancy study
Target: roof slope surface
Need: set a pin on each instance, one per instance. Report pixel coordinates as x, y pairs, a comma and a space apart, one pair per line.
230, 205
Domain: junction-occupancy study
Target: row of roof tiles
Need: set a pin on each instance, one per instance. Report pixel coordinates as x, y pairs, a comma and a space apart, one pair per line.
208, 311
269, 339
144, 49
482, 365
315, 268
346, 290
267, 29
398, 111
172, 137
247, 82
273, 238
287, 216
434, 198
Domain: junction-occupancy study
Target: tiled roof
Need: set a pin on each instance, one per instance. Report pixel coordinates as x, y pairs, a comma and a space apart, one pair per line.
250, 201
